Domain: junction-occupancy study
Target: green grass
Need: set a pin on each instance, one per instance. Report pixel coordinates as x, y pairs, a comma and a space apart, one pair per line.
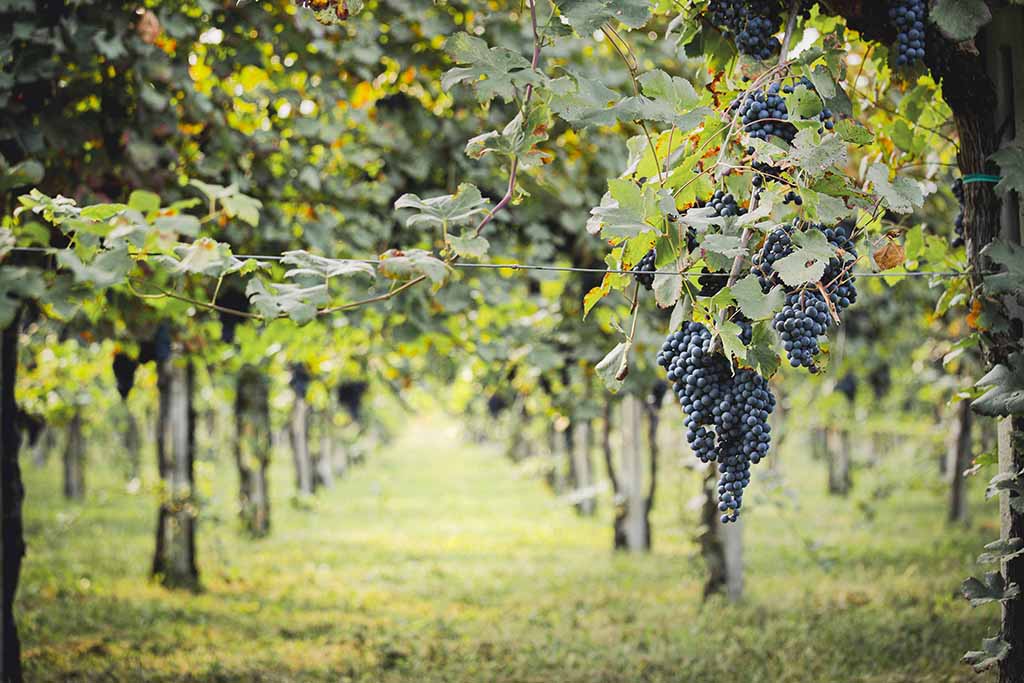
440, 561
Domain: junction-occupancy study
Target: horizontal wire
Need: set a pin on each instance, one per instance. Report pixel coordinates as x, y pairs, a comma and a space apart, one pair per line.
570, 269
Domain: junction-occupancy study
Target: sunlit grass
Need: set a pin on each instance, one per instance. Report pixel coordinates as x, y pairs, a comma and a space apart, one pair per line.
441, 561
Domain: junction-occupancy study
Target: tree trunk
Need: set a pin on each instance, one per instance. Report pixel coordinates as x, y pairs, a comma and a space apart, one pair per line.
252, 449
721, 545
299, 425
583, 466
838, 449
618, 501
174, 561
634, 522
324, 466
653, 408
131, 441
12, 494
74, 459
958, 459
43, 445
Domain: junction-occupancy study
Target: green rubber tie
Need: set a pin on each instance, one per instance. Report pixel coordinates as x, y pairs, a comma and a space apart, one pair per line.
981, 178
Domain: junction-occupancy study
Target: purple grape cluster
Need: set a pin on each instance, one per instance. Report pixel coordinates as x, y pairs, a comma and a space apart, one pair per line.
908, 17
643, 271
806, 315
727, 409
764, 113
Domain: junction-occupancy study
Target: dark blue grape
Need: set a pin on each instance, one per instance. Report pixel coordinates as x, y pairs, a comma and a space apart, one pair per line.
908, 17
644, 270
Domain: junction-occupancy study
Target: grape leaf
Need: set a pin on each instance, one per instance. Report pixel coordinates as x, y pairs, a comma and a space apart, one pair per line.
405, 265
676, 92
814, 156
1005, 389
207, 257
517, 139
17, 283
960, 20
1011, 163
294, 301
319, 266
613, 368
991, 588
583, 102
587, 16
901, 195
993, 651
730, 332
469, 245
1010, 256
493, 72
755, 304
1002, 550
667, 288
852, 132
808, 261
108, 268
729, 246
445, 210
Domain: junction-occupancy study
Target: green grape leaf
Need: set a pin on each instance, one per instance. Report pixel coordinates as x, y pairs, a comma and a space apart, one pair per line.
854, 133
306, 264
733, 346
493, 72
959, 20
1011, 163
207, 257
144, 201
1002, 550
614, 367
108, 268
293, 301
242, 207
993, 651
469, 245
807, 263
28, 172
990, 588
518, 139
676, 92
814, 156
1011, 257
761, 353
902, 195
587, 16
729, 246
18, 283
399, 265
583, 102
667, 288
445, 210
1004, 386
755, 304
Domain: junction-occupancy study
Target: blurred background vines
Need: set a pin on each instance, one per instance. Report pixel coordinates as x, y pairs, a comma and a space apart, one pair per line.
281, 281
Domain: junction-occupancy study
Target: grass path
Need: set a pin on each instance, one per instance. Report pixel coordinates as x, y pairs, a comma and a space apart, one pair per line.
440, 561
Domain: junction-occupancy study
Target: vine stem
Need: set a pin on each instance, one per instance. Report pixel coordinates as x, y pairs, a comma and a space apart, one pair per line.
737, 262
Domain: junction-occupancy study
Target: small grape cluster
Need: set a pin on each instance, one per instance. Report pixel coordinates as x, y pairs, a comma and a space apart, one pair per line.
722, 204
805, 316
750, 23
958, 225
644, 270
727, 409
793, 198
800, 323
764, 112
908, 17
124, 367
